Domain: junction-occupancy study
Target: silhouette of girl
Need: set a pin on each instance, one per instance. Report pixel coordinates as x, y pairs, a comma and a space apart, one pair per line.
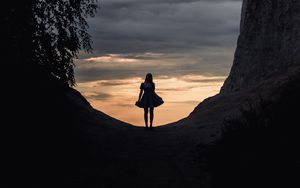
149, 100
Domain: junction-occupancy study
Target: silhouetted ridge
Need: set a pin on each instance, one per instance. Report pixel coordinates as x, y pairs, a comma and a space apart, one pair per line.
260, 148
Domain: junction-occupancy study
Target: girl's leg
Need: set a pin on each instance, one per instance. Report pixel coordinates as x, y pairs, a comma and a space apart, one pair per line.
151, 116
146, 116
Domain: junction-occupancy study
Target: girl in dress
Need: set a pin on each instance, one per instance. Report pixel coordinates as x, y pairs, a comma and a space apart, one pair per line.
148, 99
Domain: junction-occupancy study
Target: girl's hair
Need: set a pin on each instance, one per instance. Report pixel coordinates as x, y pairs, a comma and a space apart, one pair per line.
149, 78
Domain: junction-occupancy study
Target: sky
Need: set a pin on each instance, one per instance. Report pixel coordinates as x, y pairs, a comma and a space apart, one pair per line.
188, 46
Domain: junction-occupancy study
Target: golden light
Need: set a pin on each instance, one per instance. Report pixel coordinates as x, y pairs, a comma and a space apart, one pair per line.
181, 95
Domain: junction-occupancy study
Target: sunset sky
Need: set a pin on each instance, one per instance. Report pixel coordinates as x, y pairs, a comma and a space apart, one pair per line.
188, 46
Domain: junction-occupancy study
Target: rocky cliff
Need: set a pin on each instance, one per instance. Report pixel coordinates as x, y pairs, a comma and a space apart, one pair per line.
268, 45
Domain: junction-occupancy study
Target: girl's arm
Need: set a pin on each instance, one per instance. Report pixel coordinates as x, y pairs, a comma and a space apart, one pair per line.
140, 95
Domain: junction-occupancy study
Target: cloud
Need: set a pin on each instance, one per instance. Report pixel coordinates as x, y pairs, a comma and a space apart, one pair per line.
202, 79
100, 96
185, 102
132, 26
209, 62
165, 37
110, 58
119, 82
117, 4
174, 89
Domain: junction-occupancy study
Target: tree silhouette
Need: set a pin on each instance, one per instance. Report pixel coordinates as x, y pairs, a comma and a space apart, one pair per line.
60, 32
50, 33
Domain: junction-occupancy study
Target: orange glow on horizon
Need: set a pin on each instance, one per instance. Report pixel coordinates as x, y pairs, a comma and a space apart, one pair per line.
181, 95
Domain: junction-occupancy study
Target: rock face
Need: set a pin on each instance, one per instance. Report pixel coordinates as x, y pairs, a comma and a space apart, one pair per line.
268, 45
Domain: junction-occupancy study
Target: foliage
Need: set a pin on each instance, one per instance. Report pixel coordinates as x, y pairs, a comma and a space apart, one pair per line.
60, 32
44, 36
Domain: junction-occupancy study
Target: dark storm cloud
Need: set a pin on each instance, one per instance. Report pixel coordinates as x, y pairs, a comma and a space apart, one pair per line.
130, 3
130, 26
187, 36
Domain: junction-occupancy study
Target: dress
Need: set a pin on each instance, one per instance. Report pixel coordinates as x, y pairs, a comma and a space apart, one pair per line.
149, 98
